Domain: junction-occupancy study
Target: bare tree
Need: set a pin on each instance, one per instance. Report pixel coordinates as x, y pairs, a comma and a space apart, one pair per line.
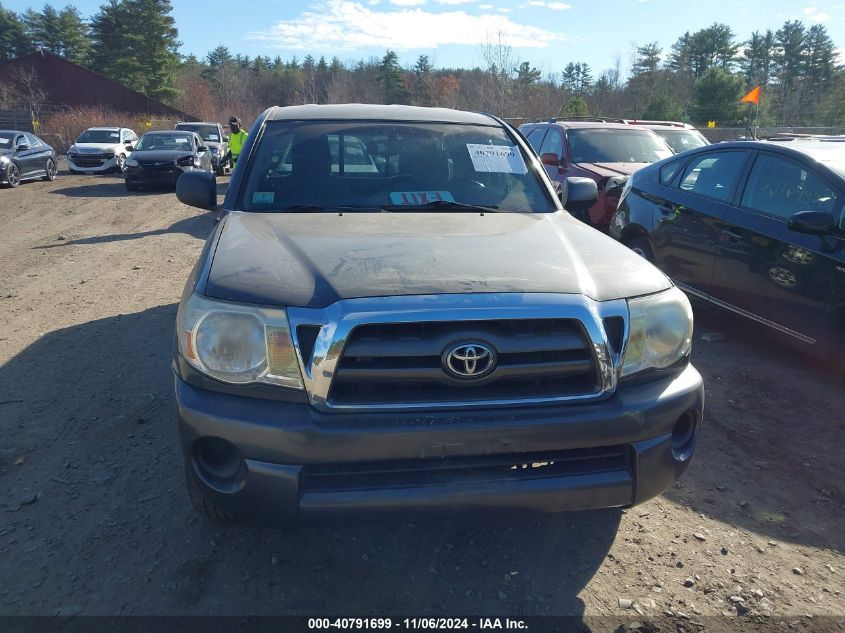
499, 65
28, 91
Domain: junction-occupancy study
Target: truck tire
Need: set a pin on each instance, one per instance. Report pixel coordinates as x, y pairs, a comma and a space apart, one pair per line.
204, 507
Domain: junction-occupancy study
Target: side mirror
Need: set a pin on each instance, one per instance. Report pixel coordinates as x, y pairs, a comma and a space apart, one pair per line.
578, 195
130, 148
202, 148
550, 158
197, 189
23, 147
812, 222
225, 138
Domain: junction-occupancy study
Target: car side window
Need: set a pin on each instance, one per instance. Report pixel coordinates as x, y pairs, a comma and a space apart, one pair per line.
32, 140
553, 143
714, 174
668, 171
535, 138
781, 187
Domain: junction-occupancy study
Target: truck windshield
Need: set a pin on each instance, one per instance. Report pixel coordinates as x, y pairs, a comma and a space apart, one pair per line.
614, 145
206, 132
395, 166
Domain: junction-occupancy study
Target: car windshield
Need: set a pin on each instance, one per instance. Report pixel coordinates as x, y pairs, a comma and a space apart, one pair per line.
99, 136
681, 140
615, 145
390, 167
6, 140
164, 141
206, 132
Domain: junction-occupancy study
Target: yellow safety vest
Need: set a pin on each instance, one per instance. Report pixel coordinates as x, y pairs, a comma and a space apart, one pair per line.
236, 144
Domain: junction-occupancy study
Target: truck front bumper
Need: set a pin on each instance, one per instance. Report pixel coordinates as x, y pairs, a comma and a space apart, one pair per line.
286, 463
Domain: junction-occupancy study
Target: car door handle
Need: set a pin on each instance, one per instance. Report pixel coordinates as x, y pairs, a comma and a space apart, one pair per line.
666, 209
732, 236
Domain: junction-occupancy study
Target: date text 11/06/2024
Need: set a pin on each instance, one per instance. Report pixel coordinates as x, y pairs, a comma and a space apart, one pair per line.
431, 624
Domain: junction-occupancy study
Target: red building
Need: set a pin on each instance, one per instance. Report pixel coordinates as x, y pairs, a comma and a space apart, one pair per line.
68, 85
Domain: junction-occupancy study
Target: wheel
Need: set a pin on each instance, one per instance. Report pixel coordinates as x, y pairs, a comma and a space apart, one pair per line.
13, 175
121, 163
50, 170
220, 170
642, 248
204, 507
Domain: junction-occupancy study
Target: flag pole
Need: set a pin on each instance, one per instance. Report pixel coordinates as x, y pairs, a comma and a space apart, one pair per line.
756, 117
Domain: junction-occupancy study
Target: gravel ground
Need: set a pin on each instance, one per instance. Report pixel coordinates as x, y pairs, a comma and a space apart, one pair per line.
94, 517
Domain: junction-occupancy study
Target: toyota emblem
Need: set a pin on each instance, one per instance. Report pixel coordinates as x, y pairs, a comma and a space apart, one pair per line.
469, 361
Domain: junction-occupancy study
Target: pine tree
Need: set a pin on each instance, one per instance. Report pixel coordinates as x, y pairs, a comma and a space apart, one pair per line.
13, 38
135, 43
390, 79
423, 81
73, 36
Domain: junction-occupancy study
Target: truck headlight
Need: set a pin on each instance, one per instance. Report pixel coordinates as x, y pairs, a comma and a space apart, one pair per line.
660, 331
236, 343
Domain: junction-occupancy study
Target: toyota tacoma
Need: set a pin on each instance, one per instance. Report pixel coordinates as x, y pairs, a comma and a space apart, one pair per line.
396, 317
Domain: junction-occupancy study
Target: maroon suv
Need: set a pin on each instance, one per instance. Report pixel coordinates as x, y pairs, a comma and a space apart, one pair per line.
606, 150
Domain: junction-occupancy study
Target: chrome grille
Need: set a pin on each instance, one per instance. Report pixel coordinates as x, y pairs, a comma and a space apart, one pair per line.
396, 363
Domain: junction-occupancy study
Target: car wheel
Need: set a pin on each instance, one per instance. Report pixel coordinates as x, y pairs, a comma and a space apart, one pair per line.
220, 171
13, 175
642, 248
203, 506
50, 170
121, 163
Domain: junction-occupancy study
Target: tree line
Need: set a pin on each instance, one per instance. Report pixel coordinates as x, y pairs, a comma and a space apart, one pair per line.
700, 78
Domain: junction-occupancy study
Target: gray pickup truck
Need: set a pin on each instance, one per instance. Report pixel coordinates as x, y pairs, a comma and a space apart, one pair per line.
395, 316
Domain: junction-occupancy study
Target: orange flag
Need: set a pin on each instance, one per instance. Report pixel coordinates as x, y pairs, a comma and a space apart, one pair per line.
752, 97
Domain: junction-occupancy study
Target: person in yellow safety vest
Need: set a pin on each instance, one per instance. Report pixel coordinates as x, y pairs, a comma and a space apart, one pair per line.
237, 139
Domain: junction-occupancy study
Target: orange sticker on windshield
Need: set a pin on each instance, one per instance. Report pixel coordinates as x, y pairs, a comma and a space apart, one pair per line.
417, 198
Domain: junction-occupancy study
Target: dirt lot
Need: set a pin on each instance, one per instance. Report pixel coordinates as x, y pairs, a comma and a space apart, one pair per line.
94, 517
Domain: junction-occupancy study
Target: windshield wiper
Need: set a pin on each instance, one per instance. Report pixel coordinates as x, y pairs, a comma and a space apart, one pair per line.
307, 208
444, 205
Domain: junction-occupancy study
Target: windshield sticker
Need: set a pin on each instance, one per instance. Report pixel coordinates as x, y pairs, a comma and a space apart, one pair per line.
263, 197
180, 139
114, 135
499, 159
213, 137
4, 140
417, 198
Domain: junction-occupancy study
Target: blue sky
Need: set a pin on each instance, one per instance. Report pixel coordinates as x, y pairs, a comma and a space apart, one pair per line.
548, 33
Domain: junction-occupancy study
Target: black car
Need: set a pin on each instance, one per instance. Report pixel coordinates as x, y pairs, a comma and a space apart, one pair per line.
753, 227
159, 158
24, 156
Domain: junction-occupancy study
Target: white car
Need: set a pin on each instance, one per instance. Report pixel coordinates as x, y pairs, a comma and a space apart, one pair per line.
101, 149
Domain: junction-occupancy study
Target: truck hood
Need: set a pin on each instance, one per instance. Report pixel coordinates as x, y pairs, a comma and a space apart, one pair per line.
608, 170
313, 260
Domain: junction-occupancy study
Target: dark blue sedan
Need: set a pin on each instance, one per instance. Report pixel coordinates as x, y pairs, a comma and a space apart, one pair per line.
754, 227
24, 156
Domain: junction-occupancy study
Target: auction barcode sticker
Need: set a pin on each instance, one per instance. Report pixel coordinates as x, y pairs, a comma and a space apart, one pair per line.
500, 159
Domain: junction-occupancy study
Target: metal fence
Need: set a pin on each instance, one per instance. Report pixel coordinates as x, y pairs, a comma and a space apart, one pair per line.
16, 120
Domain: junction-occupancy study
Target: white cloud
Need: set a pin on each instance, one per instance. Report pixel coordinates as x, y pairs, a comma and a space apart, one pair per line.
348, 25
814, 15
455, 1
558, 6
407, 3
485, 7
